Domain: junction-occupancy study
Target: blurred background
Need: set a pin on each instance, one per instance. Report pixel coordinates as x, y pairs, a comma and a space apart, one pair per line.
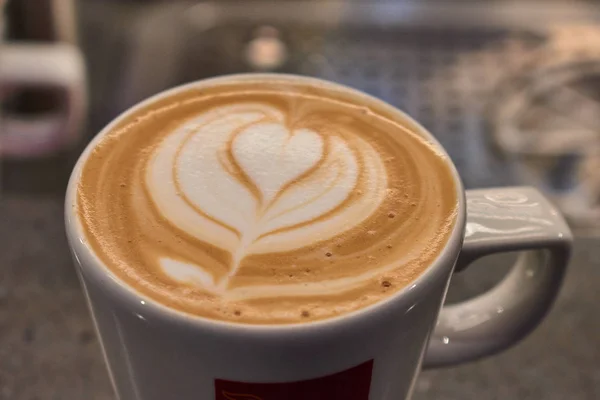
510, 88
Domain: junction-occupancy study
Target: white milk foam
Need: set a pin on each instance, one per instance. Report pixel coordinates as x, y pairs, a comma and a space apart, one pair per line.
239, 178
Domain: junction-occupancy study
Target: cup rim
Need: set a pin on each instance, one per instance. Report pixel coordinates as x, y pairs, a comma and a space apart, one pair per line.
89, 265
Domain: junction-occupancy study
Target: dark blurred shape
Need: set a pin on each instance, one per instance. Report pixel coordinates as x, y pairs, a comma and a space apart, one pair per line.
40, 41
31, 20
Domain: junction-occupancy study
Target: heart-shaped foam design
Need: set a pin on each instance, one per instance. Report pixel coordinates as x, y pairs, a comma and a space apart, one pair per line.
272, 156
240, 179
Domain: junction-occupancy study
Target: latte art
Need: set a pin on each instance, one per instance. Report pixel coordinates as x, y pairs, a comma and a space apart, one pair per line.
265, 202
242, 179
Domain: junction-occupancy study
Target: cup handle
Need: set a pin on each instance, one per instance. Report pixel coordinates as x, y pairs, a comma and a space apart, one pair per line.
58, 66
503, 220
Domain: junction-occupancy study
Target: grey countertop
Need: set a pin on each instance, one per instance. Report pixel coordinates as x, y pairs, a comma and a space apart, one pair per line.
48, 349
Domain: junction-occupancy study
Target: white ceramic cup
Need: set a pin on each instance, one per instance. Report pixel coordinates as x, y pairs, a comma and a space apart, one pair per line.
55, 66
376, 353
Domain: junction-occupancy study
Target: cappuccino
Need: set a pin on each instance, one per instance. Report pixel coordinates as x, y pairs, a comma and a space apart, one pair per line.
266, 200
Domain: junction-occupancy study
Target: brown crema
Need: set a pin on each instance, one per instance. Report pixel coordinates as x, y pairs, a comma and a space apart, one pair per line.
403, 191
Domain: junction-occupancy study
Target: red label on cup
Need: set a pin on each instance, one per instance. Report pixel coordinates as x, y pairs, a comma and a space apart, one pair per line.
351, 384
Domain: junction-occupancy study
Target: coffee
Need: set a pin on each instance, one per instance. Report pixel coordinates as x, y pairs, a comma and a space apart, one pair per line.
266, 200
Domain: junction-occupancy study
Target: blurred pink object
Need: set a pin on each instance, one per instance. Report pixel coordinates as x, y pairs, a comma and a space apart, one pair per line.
55, 66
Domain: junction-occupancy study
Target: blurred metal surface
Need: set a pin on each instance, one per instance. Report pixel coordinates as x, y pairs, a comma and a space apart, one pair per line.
441, 62
43, 20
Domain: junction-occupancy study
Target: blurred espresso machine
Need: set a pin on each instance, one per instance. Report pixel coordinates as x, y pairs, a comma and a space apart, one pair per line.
510, 88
